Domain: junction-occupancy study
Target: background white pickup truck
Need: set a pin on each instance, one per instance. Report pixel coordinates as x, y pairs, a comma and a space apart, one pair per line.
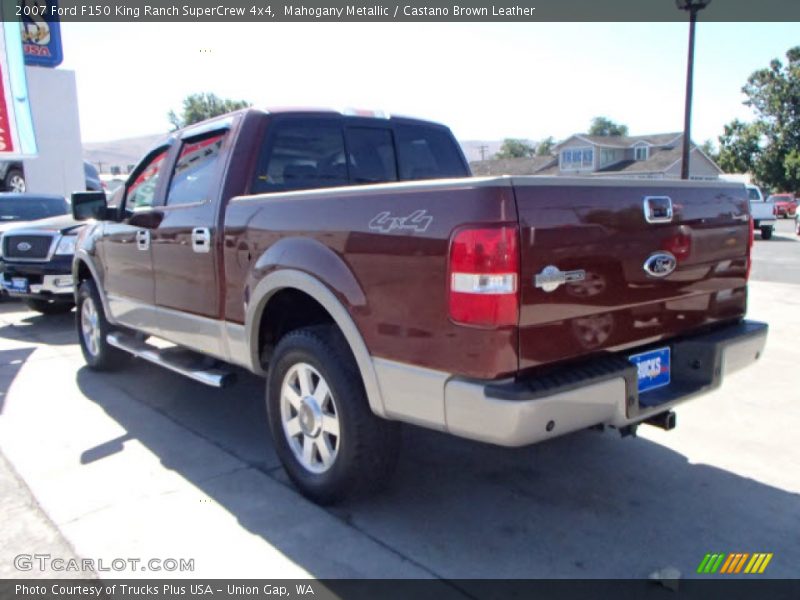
763, 211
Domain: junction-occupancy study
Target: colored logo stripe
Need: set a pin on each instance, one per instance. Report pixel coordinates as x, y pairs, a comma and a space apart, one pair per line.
734, 562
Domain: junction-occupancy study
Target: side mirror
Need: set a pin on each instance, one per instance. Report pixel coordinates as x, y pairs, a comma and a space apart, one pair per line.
89, 205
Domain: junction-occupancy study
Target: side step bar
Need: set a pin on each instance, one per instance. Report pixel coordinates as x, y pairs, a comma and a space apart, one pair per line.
182, 361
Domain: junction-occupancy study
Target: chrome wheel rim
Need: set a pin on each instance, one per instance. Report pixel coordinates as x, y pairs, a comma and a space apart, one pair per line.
90, 327
17, 185
310, 418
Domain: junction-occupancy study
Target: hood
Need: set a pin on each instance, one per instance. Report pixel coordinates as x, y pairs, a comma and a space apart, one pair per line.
63, 224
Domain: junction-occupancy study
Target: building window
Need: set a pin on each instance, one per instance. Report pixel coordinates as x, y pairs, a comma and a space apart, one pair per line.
577, 158
640, 152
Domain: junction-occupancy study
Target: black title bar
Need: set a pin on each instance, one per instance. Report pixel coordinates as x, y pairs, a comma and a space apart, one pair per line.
268, 11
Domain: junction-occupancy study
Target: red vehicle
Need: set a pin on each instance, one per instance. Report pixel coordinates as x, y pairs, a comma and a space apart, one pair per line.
353, 262
785, 205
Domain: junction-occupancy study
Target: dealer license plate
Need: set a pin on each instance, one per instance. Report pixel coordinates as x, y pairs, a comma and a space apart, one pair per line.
652, 368
17, 284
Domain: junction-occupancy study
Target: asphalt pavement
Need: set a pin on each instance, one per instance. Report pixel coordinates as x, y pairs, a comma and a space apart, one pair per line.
143, 464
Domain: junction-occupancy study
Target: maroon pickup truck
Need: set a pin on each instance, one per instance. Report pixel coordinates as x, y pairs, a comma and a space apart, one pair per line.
353, 261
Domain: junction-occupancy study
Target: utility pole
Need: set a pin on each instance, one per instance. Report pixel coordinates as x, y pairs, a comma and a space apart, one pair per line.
693, 6
483, 150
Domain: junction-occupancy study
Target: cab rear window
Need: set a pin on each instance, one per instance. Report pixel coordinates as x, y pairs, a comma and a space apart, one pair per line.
308, 153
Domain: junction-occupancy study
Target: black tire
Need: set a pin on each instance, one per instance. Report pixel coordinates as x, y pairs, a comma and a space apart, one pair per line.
15, 181
49, 308
105, 357
367, 446
766, 233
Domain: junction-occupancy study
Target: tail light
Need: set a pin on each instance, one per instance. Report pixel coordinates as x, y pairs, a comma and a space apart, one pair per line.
680, 245
751, 235
774, 210
484, 276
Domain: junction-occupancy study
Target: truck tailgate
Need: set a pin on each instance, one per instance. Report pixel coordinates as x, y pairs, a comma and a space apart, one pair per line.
596, 273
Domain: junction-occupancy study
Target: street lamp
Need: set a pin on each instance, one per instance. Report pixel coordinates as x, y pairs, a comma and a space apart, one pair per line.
693, 6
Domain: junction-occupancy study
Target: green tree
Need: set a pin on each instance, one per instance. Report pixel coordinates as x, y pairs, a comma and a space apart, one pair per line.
739, 147
710, 150
768, 147
202, 106
606, 127
545, 147
515, 148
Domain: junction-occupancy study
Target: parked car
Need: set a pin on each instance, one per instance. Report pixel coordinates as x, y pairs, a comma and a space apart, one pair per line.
93, 182
354, 263
12, 177
785, 205
36, 249
762, 211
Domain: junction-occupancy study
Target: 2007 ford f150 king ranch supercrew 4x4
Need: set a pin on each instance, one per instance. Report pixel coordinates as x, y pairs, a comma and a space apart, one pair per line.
352, 261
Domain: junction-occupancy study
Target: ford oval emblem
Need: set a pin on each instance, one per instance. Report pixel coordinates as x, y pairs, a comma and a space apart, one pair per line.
660, 264
24, 246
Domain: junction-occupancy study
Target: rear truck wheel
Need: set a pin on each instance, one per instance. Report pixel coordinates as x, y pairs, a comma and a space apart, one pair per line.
15, 182
766, 232
329, 441
48, 307
93, 329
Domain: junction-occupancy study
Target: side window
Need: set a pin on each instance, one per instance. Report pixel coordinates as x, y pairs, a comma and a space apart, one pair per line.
427, 153
142, 192
301, 155
194, 170
371, 153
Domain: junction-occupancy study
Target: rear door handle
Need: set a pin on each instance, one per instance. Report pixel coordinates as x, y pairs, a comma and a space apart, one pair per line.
143, 239
201, 239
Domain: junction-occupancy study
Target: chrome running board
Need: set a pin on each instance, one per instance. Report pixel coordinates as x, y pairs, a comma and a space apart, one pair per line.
177, 359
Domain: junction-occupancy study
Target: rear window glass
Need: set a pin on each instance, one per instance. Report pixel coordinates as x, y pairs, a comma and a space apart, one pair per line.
301, 156
753, 194
31, 209
427, 153
194, 170
371, 153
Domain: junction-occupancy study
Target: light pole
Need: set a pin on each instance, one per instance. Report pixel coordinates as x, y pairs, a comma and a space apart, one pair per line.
693, 6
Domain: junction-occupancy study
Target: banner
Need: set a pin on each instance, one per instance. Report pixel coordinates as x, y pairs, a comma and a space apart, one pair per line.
41, 33
17, 138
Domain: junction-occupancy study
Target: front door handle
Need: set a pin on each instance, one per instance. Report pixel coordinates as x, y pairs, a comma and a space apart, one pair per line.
143, 239
201, 239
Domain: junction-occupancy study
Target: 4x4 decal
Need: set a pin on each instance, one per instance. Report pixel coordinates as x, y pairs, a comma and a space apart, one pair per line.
418, 221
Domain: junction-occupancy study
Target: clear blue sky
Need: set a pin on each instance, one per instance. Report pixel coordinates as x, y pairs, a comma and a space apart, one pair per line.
486, 81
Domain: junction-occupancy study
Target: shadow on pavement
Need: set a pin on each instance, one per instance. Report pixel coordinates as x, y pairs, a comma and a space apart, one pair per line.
11, 361
55, 330
586, 505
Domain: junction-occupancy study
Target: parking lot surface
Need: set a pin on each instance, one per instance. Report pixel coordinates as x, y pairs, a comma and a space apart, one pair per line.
145, 464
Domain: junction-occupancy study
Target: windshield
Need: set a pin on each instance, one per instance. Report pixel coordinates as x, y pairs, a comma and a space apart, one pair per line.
31, 209
779, 198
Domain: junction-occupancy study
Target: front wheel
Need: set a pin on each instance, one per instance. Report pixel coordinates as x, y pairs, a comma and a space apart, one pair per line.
766, 233
49, 308
93, 329
329, 441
